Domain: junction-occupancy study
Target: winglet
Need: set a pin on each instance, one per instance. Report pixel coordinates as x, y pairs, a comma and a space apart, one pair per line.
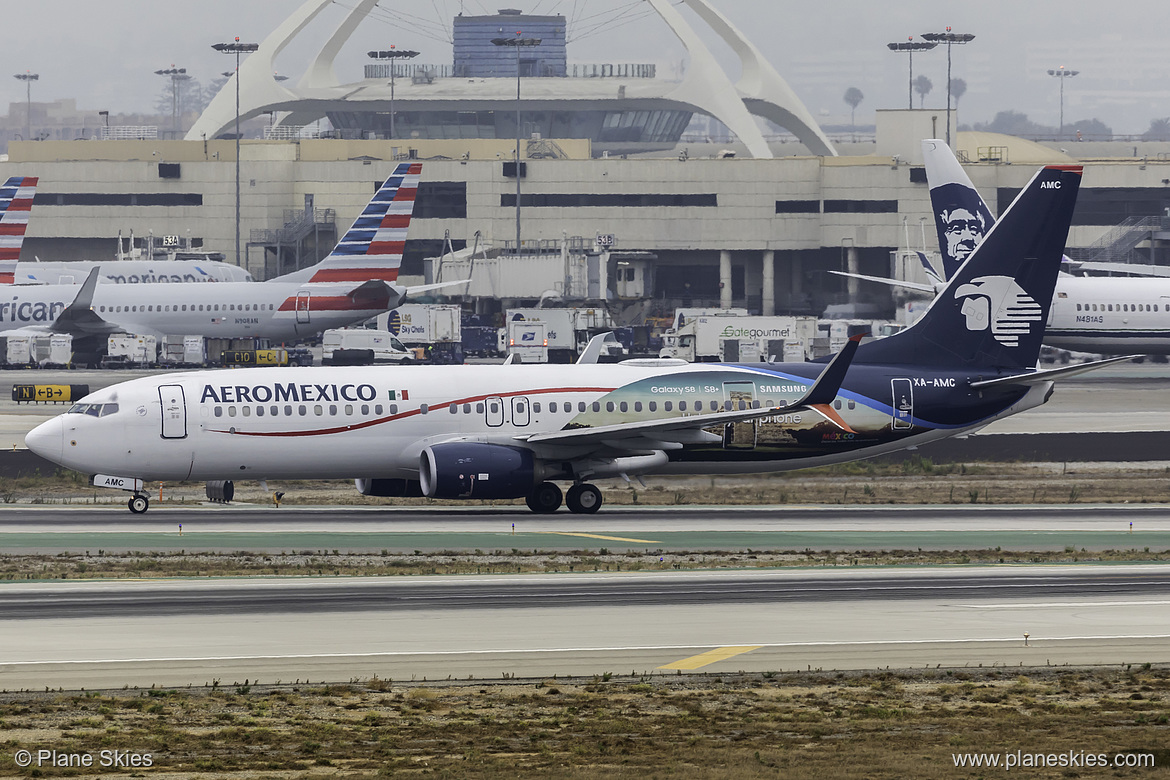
79, 316
824, 390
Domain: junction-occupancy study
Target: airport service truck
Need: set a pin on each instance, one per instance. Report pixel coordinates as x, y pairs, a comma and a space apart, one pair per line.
739, 339
434, 331
566, 330
359, 346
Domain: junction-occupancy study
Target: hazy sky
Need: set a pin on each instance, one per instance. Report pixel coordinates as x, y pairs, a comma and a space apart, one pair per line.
104, 52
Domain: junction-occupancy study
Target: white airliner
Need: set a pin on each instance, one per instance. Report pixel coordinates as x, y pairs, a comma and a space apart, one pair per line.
130, 271
355, 282
16, 200
1108, 315
512, 431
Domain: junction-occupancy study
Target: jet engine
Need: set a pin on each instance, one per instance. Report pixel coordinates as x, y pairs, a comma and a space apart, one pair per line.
476, 470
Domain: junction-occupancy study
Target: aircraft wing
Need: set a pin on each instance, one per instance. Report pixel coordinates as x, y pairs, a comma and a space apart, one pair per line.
650, 432
378, 290
79, 318
926, 288
1036, 377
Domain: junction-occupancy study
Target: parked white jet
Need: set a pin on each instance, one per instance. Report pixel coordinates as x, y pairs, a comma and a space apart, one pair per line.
355, 282
1109, 315
508, 431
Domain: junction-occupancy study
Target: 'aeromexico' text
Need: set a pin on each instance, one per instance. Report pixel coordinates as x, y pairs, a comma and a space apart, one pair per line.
262, 394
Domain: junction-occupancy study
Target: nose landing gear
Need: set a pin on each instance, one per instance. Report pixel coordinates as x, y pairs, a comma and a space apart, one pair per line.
138, 503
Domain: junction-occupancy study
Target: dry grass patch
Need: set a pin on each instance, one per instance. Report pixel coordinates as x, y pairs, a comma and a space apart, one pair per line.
838, 725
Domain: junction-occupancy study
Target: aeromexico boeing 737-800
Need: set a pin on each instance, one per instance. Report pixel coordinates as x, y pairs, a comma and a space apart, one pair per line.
512, 431
355, 282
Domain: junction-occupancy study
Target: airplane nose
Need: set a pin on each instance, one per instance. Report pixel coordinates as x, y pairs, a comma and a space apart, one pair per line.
47, 439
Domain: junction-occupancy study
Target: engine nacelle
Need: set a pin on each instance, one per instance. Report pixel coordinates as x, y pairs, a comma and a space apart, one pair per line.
462, 469
388, 488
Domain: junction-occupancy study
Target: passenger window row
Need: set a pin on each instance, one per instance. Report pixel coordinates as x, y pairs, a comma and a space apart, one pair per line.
1123, 307
301, 410
193, 307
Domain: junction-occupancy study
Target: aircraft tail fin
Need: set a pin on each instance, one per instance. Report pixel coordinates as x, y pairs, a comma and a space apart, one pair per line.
993, 310
16, 197
372, 247
961, 217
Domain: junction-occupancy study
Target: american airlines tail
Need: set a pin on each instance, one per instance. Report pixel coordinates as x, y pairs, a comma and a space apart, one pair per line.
16, 197
992, 313
372, 247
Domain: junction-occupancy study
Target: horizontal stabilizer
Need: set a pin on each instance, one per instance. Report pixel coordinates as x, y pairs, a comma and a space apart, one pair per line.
926, 288
1036, 377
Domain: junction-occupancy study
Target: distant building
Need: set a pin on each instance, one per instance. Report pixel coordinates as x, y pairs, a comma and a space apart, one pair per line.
620, 108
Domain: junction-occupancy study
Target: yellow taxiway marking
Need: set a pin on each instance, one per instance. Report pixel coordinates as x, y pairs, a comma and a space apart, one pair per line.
710, 657
607, 538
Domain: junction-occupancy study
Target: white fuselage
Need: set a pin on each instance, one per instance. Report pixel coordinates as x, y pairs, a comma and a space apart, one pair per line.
1110, 315
131, 272
279, 311
373, 422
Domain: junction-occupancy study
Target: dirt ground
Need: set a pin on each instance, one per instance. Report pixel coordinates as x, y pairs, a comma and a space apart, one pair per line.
790, 725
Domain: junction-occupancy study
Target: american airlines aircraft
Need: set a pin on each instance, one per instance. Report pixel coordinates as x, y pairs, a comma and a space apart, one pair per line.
513, 431
16, 200
1109, 315
355, 282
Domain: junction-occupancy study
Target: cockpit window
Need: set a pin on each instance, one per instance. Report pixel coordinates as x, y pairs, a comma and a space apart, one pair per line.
93, 410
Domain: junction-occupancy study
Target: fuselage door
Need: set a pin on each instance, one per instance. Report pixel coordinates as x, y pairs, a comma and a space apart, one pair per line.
738, 396
494, 409
302, 306
902, 395
174, 411
521, 413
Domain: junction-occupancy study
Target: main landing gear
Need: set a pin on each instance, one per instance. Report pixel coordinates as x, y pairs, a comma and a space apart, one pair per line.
581, 499
139, 503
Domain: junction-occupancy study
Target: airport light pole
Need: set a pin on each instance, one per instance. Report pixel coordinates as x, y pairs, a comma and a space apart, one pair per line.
237, 49
176, 75
1062, 74
910, 46
517, 42
950, 39
28, 79
393, 55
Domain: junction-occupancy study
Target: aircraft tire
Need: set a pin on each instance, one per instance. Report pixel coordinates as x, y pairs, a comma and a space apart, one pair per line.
544, 499
583, 499
138, 504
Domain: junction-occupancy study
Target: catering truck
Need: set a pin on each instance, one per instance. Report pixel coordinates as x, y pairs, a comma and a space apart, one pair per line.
739, 339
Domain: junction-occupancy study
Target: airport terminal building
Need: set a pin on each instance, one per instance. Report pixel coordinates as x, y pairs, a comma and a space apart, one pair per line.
604, 213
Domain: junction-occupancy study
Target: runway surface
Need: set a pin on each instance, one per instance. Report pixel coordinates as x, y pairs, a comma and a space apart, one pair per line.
373, 529
109, 634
